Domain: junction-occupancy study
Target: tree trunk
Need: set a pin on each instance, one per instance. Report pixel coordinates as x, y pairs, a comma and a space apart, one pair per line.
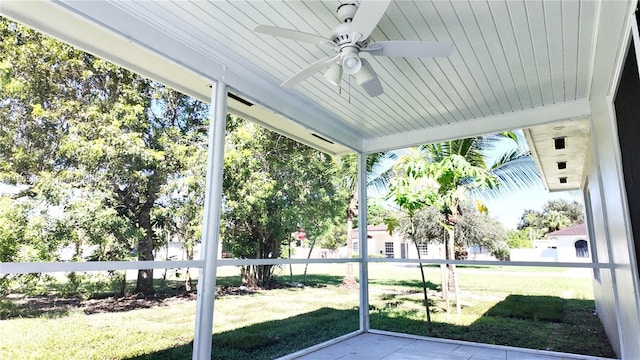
424, 282
123, 284
166, 257
452, 283
144, 284
187, 275
349, 280
306, 266
450, 255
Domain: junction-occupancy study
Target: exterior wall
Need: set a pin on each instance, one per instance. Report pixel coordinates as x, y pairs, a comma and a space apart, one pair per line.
537, 254
434, 251
566, 246
556, 249
616, 291
609, 227
605, 296
378, 239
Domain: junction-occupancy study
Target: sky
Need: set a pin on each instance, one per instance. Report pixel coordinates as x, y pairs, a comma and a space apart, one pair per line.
509, 209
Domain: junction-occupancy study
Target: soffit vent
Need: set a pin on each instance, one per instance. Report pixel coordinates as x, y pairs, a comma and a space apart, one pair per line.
321, 138
239, 99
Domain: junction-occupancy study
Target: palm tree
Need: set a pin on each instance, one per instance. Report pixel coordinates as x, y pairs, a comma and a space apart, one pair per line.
555, 220
458, 168
379, 170
512, 169
513, 165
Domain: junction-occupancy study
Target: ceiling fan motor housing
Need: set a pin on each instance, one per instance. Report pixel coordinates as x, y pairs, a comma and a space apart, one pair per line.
343, 36
346, 12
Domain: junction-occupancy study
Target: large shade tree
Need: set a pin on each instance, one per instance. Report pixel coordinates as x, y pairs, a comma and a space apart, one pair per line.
272, 187
555, 215
84, 125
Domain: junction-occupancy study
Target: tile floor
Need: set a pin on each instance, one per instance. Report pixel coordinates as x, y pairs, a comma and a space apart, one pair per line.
373, 346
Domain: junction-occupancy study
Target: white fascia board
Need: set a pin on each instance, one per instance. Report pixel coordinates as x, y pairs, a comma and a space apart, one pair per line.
536, 157
103, 29
572, 110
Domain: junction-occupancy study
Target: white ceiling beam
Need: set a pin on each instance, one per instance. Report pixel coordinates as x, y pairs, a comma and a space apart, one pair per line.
487, 125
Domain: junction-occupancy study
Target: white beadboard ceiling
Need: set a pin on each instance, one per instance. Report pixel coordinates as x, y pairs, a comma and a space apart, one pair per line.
515, 63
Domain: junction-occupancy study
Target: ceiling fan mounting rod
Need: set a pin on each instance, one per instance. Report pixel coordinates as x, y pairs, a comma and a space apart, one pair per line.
346, 12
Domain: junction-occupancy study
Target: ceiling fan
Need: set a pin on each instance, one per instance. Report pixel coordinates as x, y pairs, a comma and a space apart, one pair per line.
351, 38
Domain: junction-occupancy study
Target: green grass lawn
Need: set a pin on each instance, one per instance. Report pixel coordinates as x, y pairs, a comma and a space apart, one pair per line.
550, 310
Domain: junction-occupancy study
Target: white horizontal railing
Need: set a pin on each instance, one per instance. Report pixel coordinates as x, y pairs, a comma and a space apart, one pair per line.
241, 262
46, 267
588, 265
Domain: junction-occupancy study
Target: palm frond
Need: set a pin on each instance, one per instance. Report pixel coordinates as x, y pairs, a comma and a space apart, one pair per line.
380, 171
510, 155
515, 170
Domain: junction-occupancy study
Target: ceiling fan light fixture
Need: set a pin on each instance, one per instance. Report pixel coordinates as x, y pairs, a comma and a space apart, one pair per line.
334, 74
351, 63
365, 74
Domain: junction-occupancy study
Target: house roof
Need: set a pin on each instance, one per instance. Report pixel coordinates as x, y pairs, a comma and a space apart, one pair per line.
574, 230
524, 64
381, 227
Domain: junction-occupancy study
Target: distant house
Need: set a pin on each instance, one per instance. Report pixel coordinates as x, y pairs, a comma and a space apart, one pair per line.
571, 243
380, 243
566, 245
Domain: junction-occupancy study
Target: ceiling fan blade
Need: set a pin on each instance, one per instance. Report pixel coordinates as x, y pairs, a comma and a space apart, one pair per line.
409, 49
368, 15
289, 34
309, 71
373, 87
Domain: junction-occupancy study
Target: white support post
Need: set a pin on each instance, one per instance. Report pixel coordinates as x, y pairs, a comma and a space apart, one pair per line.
211, 224
362, 225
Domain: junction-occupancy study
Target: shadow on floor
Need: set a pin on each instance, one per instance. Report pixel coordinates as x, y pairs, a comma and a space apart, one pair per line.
533, 322
271, 339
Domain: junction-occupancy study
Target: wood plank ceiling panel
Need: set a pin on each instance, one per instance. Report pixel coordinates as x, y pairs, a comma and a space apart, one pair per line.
491, 39
444, 30
273, 53
503, 23
525, 49
586, 49
402, 80
317, 85
555, 47
482, 54
540, 42
443, 77
509, 55
570, 42
425, 75
202, 24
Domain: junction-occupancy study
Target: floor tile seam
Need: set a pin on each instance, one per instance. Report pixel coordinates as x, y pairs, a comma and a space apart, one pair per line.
559, 354
437, 342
